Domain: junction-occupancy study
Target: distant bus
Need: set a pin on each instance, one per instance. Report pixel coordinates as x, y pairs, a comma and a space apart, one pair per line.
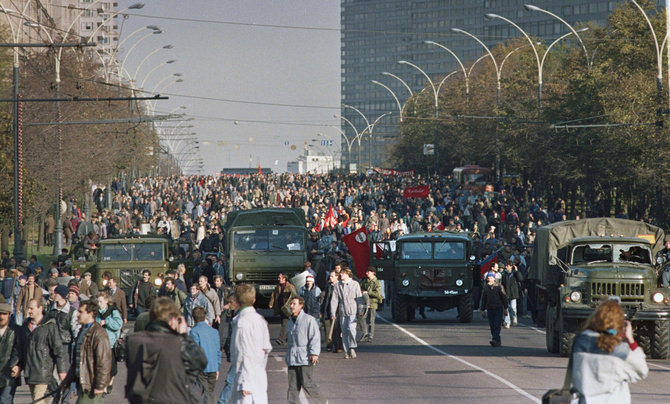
474, 178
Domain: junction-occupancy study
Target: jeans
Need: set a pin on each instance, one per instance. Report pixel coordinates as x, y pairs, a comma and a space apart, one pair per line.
348, 324
495, 322
7, 392
511, 313
300, 377
227, 387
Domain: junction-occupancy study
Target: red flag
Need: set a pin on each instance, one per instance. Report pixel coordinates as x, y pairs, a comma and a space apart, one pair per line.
259, 169
359, 247
420, 191
330, 221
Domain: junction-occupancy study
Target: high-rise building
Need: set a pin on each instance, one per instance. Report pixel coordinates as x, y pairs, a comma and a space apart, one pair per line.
376, 34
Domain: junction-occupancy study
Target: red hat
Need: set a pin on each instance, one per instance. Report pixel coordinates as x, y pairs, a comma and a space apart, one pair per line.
74, 289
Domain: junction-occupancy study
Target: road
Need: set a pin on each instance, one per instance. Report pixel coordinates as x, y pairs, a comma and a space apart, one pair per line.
436, 360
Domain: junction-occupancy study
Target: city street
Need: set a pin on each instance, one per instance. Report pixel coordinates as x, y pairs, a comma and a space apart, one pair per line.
436, 360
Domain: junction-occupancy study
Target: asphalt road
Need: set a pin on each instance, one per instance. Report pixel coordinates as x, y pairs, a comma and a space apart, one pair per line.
436, 360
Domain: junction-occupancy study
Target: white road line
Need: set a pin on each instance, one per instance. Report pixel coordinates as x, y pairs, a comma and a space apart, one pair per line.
282, 370
278, 358
658, 366
463, 361
533, 328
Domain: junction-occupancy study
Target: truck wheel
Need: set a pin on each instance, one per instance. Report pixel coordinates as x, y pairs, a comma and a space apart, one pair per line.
643, 337
551, 332
660, 340
567, 339
465, 308
400, 308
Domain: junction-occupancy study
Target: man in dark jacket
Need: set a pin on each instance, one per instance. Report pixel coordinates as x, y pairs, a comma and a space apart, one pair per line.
494, 301
511, 279
38, 337
91, 368
163, 363
9, 354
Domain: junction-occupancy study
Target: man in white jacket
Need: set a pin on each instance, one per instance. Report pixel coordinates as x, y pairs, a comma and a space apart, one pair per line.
249, 350
347, 303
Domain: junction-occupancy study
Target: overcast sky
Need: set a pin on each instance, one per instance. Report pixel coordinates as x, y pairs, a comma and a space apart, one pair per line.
261, 77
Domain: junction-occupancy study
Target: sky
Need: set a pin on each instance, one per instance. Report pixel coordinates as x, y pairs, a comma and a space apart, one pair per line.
260, 77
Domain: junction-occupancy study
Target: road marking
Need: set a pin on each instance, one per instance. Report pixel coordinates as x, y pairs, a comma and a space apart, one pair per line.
533, 328
282, 370
463, 361
658, 366
278, 358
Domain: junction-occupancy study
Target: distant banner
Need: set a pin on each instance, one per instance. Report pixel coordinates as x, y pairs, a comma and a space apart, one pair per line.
416, 192
388, 171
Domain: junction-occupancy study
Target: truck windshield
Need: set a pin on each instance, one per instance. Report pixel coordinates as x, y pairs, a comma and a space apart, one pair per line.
589, 253
148, 252
269, 239
421, 250
116, 252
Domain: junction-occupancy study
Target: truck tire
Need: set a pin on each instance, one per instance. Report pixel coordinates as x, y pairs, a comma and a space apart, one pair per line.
660, 340
551, 331
643, 337
400, 308
567, 338
465, 308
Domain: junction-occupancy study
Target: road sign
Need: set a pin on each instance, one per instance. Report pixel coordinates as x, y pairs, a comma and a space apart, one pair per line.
428, 149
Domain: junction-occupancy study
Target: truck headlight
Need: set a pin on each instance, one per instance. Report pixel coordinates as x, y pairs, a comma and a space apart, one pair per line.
657, 297
239, 276
459, 282
576, 296
158, 282
405, 282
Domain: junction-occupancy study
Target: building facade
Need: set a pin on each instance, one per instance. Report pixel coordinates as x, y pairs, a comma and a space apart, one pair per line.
376, 34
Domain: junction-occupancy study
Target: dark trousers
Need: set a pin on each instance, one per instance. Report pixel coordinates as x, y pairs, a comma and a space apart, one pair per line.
208, 381
7, 392
495, 322
336, 341
282, 330
300, 377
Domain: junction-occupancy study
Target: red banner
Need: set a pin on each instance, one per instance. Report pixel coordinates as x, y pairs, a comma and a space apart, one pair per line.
330, 221
359, 247
388, 171
420, 191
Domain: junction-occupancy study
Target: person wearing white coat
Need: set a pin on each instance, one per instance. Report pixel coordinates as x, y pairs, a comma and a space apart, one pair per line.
249, 350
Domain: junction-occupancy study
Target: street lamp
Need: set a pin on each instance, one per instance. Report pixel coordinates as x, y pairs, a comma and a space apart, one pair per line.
540, 62
167, 62
467, 76
148, 55
531, 7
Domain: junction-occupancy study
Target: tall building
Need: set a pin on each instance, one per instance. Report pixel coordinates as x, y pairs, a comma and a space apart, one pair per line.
376, 34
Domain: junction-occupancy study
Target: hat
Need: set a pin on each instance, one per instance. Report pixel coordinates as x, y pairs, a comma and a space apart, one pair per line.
490, 274
309, 278
62, 290
53, 271
76, 273
74, 289
23, 277
5, 308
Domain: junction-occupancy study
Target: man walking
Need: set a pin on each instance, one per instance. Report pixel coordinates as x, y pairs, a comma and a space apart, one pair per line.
346, 302
197, 299
249, 350
208, 339
304, 347
494, 301
9, 354
118, 298
279, 300
373, 288
91, 367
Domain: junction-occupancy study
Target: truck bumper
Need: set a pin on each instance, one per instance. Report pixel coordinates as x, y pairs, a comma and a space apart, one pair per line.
630, 313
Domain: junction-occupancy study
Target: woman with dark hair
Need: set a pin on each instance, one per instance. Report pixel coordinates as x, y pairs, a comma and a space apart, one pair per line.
606, 357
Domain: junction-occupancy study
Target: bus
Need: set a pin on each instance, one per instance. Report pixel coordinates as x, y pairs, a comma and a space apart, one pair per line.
474, 178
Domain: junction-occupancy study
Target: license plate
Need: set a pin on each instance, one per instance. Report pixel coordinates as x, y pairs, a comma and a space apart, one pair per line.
266, 287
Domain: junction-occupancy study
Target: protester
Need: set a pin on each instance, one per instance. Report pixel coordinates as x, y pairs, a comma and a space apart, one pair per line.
494, 304
9, 354
197, 299
279, 300
176, 295
373, 288
304, 348
143, 289
346, 301
162, 361
87, 288
511, 279
29, 292
332, 326
312, 296
91, 366
230, 310
143, 319
208, 339
40, 350
213, 298
117, 298
249, 350
109, 318
606, 357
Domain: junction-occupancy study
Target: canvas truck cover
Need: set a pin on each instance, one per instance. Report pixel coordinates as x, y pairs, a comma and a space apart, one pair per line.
550, 238
266, 217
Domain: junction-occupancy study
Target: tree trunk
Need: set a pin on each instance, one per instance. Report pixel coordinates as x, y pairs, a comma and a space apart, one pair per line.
4, 244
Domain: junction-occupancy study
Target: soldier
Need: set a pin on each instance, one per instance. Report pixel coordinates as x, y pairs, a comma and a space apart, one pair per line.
373, 288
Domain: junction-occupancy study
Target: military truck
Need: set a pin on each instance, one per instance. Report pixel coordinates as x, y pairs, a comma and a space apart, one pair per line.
127, 257
579, 263
261, 243
427, 270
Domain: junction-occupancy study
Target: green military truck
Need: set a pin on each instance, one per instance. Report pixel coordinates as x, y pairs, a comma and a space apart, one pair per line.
127, 257
579, 263
427, 270
262, 243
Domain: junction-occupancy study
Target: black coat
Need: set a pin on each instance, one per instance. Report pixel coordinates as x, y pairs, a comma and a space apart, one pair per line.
162, 365
511, 283
40, 350
9, 353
